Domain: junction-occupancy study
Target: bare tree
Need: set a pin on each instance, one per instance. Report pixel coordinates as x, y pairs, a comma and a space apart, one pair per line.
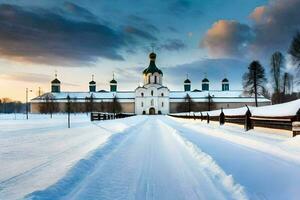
89, 104
277, 62
116, 106
287, 83
294, 49
187, 105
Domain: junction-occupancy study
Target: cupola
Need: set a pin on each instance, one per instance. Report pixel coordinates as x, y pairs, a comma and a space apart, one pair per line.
113, 84
205, 84
55, 85
152, 74
187, 84
92, 85
225, 84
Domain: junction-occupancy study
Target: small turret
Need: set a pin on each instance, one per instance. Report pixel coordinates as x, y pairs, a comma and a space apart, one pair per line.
187, 84
113, 84
225, 84
205, 84
55, 85
92, 85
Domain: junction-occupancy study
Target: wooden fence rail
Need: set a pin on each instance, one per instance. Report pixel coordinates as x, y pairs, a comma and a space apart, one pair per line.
108, 116
291, 123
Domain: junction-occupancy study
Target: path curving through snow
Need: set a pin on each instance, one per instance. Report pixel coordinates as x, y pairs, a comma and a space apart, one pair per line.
147, 161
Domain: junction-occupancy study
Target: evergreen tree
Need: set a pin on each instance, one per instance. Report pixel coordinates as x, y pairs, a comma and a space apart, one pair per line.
277, 62
254, 80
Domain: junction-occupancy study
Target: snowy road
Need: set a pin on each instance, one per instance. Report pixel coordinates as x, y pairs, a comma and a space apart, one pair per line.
158, 157
148, 161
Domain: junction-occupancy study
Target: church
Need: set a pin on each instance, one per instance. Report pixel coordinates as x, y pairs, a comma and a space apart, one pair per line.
150, 98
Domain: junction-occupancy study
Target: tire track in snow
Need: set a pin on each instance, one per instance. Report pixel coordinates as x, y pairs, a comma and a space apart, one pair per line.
210, 167
82, 169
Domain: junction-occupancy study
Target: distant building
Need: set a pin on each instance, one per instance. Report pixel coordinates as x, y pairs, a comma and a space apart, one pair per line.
151, 98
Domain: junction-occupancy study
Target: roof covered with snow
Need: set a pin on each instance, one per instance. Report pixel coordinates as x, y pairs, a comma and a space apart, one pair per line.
217, 96
175, 96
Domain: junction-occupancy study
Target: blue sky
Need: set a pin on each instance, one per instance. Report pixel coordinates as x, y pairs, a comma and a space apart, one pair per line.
80, 38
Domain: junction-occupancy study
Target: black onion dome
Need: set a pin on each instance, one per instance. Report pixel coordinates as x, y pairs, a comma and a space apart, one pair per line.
205, 80
152, 56
187, 81
92, 82
225, 80
152, 67
113, 81
55, 81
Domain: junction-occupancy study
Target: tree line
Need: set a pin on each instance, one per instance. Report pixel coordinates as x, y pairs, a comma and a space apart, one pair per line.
254, 80
8, 105
50, 105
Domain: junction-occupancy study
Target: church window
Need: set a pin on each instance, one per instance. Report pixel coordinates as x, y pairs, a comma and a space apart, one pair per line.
142, 104
152, 102
162, 104
155, 79
151, 92
142, 94
148, 79
162, 94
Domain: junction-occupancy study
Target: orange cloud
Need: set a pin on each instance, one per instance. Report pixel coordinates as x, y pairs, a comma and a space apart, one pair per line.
226, 38
258, 13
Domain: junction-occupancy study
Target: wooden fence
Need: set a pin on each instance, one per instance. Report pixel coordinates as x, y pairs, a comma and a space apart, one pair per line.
291, 123
108, 116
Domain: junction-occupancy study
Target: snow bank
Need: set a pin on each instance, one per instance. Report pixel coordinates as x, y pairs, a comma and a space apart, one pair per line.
209, 166
284, 109
35, 153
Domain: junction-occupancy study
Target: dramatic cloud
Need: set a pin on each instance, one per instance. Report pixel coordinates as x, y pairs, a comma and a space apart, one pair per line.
139, 33
79, 11
57, 38
227, 38
45, 37
173, 45
273, 28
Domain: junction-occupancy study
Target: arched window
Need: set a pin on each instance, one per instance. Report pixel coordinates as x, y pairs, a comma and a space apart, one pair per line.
155, 79
162, 94
152, 102
142, 104
142, 94
162, 104
151, 92
148, 79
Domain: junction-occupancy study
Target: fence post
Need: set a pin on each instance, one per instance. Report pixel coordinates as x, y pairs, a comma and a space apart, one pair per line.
296, 124
248, 122
194, 116
92, 117
207, 118
201, 116
222, 117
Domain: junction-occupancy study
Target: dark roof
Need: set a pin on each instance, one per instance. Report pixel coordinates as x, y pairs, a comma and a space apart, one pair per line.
55, 81
102, 91
113, 81
187, 81
196, 90
225, 80
152, 67
92, 82
205, 80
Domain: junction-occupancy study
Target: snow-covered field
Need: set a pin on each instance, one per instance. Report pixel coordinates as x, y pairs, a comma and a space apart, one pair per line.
143, 157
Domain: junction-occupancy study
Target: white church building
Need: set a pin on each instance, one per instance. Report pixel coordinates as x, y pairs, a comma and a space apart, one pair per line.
150, 98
